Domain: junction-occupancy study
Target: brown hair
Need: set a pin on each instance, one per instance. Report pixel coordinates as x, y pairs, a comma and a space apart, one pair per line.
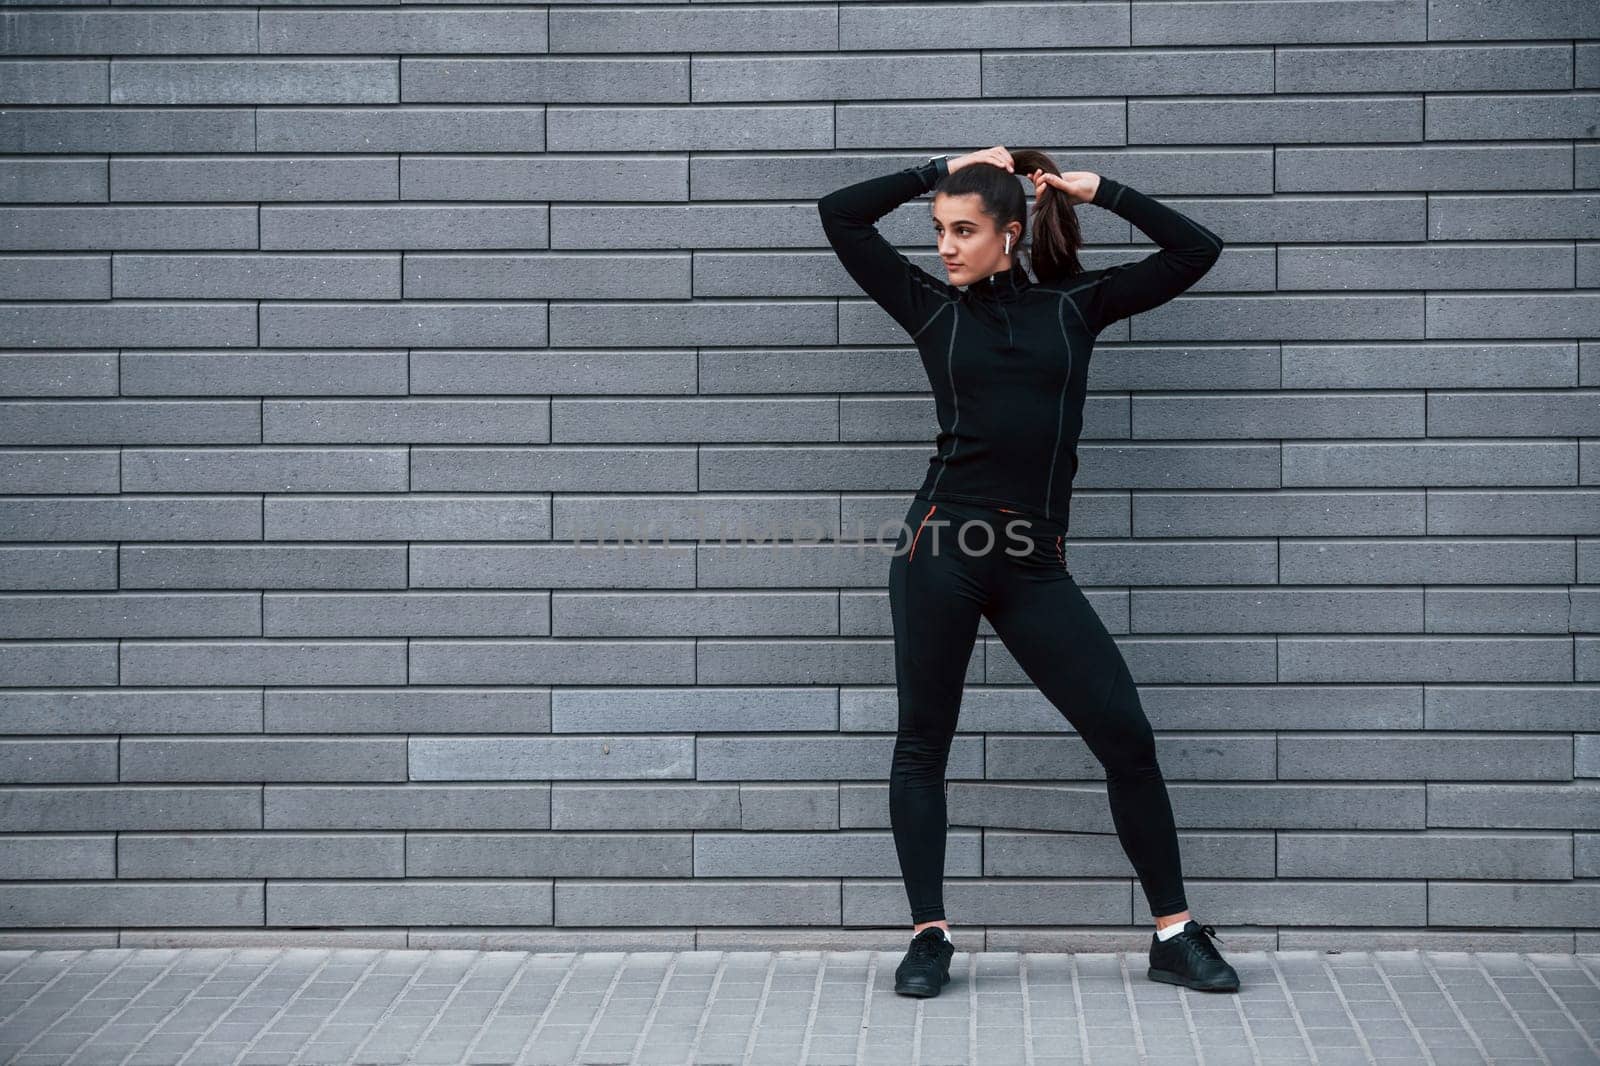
1053, 248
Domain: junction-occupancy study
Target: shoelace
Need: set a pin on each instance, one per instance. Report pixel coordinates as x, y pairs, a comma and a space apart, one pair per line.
925, 945
1200, 938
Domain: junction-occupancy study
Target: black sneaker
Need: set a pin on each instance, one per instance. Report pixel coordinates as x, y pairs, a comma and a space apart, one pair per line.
1190, 959
926, 967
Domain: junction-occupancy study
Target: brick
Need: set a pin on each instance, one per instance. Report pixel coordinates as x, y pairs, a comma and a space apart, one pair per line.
448, 487
260, 855
256, 81
525, 758
409, 806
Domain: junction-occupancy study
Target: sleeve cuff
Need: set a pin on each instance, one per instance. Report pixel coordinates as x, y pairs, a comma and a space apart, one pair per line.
931, 170
1105, 191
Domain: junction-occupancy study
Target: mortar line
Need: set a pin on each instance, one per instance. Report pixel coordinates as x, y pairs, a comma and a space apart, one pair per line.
1505, 1003
705, 1012
182, 954
1077, 1005
1133, 1006
399, 996
972, 1007
1294, 1010
505, 994
333, 955
866, 1006
600, 1008
132, 953
655, 1006
444, 1006
1461, 1017
1027, 1010
544, 1015
1355, 1023
1587, 1039
285, 955
761, 1006
1388, 985
811, 1012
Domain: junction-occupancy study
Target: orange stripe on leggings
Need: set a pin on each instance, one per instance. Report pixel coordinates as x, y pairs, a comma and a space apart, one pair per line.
920, 524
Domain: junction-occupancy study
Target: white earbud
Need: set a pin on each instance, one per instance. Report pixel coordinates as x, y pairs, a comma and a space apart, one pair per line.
1008, 244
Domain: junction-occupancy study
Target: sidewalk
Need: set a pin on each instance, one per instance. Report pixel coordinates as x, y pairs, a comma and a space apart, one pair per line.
314, 1005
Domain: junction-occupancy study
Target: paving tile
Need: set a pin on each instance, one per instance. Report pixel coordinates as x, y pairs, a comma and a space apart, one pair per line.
297, 1006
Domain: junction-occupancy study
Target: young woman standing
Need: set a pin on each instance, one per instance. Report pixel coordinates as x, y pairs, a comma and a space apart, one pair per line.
1007, 356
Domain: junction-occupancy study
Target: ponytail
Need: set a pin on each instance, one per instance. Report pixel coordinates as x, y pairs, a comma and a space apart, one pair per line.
1056, 237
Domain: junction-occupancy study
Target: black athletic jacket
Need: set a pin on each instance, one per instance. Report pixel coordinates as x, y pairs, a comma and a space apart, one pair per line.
1007, 357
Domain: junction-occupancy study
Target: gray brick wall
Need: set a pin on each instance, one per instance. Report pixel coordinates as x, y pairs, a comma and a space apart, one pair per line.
335, 340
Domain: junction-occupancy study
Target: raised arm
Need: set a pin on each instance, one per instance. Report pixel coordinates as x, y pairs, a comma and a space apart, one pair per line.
910, 294
1187, 251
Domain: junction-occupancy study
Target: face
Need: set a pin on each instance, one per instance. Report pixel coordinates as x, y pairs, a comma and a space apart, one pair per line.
970, 244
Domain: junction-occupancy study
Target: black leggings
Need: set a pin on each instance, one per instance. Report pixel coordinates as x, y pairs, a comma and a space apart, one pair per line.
937, 590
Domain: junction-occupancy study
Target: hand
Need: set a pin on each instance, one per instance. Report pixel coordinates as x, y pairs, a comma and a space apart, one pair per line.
1078, 185
997, 156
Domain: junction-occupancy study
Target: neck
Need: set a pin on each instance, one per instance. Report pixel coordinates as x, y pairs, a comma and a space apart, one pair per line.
1007, 283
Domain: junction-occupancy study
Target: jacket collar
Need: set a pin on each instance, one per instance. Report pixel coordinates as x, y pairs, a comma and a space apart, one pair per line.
1003, 286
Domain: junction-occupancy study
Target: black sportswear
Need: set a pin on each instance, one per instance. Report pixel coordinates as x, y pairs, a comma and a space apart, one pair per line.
1008, 357
925, 970
948, 571
1192, 960
1008, 361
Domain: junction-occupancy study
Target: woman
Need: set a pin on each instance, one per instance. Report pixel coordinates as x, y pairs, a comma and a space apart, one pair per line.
1008, 358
